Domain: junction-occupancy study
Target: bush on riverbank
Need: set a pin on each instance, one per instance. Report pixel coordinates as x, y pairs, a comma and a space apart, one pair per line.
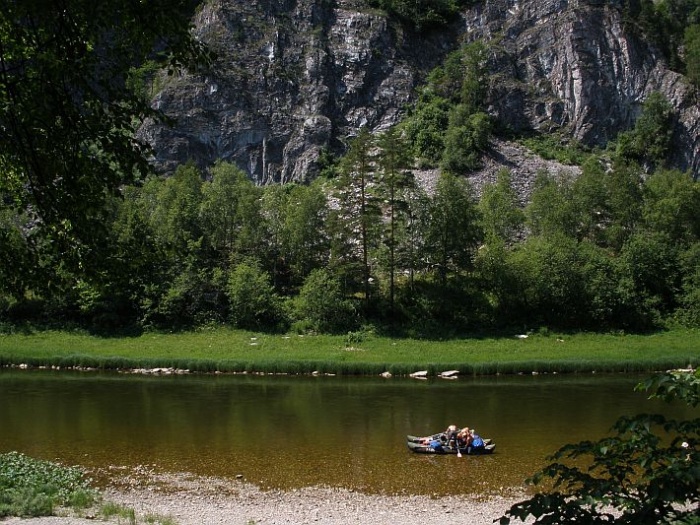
646, 473
30, 487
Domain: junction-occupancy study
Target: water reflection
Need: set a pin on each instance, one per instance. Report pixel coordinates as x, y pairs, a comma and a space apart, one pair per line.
297, 431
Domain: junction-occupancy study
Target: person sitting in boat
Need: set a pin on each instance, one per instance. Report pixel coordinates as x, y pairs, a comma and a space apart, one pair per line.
465, 437
477, 442
451, 432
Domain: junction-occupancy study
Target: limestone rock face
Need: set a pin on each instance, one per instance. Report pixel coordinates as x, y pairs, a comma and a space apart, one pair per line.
294, 76
290, 78
572, 65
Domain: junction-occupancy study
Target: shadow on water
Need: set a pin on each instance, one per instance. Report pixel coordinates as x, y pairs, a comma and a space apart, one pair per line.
289, 432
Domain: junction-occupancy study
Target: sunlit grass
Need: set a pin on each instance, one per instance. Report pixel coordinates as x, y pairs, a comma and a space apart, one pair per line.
121, 513
228, 350
127, 515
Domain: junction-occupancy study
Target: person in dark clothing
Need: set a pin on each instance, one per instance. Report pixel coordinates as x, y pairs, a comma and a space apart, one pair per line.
451, 433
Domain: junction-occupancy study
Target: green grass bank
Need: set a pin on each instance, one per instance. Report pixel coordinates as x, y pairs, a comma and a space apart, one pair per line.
235, 351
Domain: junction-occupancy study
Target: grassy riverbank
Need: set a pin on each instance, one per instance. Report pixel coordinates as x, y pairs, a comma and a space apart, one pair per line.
358, 353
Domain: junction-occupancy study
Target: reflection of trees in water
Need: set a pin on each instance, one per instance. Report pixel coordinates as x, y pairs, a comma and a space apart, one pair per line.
298, 431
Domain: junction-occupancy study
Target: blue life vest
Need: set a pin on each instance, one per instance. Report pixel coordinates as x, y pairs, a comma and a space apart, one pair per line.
436, 445
477, 442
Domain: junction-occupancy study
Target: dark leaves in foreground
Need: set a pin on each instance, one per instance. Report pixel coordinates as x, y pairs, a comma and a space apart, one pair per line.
648, 472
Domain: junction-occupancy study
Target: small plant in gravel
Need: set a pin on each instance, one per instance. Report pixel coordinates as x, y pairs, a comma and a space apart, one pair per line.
159, 520
112, 510
128, 515
31, 487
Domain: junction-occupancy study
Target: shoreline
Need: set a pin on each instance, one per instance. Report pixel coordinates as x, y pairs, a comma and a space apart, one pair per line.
185, 499
421, 375
222, 351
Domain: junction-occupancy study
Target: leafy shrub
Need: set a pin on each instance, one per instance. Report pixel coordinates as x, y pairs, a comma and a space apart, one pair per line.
650, 140
555, 147
465, 142
254, 303
359, 336
647, 473
321, 304
31, 487
426, 127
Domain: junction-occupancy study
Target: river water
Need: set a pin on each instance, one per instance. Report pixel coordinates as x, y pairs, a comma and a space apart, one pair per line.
290, 432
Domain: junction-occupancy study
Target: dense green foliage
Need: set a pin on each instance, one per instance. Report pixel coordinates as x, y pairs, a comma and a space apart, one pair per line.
71, 99
609, 250
650, 140
671, 26
617, 248
447, 127
423, 15
647, 473
692, 53
30, 487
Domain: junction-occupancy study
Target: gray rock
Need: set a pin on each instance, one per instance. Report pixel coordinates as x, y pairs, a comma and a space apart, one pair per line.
290, 79
573, 66
294, 77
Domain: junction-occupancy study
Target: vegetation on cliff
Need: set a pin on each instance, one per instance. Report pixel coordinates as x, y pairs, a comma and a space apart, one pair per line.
425, 15
672, 27
448, 127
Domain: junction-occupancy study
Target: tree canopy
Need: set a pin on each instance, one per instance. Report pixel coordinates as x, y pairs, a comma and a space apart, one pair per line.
69, 108
85, 238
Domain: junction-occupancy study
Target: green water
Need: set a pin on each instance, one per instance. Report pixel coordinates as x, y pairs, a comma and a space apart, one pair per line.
290, 432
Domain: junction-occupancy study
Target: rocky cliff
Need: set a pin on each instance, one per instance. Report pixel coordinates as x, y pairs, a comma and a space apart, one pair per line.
294, 76
291, 78
573, 65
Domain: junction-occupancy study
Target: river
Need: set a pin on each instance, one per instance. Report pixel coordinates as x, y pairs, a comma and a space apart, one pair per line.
290, 432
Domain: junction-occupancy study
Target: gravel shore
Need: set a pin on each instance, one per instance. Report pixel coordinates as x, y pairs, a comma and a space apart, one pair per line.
189, 500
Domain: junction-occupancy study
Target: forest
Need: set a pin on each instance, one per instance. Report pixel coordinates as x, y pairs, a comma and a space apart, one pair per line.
88, 239
368, 244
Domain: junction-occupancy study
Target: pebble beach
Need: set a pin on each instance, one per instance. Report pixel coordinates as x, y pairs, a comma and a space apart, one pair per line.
184, 499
